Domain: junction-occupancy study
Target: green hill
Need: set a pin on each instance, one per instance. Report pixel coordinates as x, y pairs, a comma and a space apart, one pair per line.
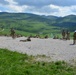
67, 22
26, 22
36, 24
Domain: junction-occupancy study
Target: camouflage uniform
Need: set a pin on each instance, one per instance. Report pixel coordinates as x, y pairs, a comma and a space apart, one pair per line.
12, 33
67, 35
63, 34
74, 38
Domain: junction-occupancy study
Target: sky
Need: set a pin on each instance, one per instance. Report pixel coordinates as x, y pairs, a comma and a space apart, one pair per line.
40, 7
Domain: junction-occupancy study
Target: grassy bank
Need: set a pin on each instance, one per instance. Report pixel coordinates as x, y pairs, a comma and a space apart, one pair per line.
13, 63
51, 34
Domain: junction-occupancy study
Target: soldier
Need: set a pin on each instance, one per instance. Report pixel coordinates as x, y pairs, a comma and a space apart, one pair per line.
46, 36
28, 39
12, 33
63, 34
67, 35
74, 37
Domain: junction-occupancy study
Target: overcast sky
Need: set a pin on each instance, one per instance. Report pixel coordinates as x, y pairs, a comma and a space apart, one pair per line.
40, 7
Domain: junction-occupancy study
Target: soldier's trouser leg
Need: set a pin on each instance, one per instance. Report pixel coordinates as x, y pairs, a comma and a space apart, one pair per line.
68, 38
63, 37
13, 36
74, 41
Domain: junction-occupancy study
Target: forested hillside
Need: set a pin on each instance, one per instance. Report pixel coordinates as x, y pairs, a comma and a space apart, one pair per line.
32, 23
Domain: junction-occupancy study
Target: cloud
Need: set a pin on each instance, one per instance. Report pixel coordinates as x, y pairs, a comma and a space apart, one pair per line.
3, 2
55, 10
36, 3
63, 11
11, 2
39, 3
73, 8
0, 10
13, 6
41, 7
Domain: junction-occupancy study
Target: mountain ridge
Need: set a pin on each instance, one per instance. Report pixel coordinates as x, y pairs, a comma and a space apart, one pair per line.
29, 22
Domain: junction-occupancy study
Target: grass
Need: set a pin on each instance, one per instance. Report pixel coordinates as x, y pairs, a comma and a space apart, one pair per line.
50, 33
14, 63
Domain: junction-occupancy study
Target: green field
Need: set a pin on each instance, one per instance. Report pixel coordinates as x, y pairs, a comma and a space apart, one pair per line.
30, 24
14, 63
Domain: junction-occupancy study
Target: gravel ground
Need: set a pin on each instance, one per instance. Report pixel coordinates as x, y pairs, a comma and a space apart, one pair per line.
55, 48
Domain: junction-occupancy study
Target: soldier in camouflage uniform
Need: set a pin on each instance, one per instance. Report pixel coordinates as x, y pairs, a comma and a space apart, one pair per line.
12, 33
74, 37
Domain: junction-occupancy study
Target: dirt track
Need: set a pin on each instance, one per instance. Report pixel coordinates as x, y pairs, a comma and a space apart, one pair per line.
55, 48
